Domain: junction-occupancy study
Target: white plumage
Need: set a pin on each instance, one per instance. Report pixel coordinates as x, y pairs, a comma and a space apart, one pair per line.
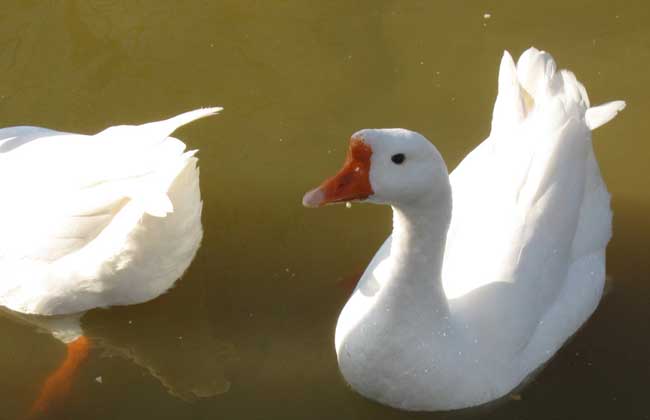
95, 221
464, 301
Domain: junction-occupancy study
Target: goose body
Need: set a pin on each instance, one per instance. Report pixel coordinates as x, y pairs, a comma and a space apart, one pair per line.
489, 270
95, 221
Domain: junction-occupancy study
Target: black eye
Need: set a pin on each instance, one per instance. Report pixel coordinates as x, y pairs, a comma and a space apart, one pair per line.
398, 158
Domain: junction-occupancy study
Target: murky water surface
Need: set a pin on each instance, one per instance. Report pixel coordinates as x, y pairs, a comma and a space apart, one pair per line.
248, 332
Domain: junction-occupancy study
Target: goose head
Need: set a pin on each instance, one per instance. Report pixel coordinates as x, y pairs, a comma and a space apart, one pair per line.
385, 166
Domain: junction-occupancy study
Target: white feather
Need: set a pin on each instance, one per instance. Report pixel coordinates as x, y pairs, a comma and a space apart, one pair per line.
99, 220
602, 114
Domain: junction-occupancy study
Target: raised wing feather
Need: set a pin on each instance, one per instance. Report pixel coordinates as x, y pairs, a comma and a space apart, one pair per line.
526, 201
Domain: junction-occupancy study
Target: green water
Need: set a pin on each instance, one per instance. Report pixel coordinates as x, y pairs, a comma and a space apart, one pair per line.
248, 332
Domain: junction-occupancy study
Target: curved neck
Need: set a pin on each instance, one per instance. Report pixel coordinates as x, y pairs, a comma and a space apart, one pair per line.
417, 251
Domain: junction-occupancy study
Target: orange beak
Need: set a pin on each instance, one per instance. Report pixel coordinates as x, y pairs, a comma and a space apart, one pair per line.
351, 183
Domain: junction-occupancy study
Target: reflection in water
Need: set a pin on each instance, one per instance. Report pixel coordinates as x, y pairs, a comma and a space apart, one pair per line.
184, 356
65, 328
179, 351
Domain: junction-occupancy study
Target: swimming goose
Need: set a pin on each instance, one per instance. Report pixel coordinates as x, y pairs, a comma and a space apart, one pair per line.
463, 302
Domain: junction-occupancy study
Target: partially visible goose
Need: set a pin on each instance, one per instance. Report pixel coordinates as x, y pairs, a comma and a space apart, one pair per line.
463, 302
95, 221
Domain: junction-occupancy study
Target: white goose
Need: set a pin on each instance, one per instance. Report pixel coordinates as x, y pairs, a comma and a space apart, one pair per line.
95, 221
462, 303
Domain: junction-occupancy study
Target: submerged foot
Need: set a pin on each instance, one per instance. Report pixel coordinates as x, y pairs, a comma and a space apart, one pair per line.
57, 385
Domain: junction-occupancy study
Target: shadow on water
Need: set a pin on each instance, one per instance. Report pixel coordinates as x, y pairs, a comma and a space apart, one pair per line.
180, 350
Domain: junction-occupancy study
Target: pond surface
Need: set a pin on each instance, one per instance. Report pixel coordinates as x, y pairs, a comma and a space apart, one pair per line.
248, 331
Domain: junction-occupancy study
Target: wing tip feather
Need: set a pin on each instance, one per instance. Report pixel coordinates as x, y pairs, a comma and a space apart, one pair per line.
597, 116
